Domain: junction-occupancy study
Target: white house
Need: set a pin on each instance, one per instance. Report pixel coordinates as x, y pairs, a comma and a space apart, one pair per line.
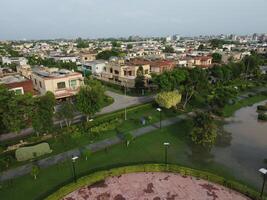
96, 67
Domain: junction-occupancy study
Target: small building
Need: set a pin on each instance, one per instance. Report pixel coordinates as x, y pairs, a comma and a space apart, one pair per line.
95, 67
17, 83
61, 82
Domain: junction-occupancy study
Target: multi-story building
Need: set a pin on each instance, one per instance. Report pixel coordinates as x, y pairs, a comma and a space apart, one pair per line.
121, 73
61, 82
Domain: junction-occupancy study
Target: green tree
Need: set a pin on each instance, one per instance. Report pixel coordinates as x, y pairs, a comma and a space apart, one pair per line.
168, 49
168, 99
105, 55
66, 112
42, 120
204, 132
35, 171
140, 81
81, 43
89, 100
216, 58
18, 113
129, 46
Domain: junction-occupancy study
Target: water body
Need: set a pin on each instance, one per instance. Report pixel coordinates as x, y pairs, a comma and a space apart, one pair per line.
248, 146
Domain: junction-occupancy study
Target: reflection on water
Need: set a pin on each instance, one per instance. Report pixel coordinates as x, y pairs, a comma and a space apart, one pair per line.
248, 147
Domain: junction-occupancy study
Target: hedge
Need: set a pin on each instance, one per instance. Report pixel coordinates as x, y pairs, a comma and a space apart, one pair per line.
27, 153
101, 175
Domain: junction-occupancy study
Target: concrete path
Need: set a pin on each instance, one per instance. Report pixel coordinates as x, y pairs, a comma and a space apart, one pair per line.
46, 162
120, 102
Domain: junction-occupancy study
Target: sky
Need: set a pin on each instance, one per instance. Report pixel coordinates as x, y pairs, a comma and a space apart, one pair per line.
51, 19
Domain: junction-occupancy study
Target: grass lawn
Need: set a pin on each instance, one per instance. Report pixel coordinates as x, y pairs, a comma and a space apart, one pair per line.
133, 122
229, 110
147, 148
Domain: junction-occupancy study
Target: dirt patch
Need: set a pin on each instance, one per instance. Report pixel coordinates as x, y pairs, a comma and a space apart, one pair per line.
149, 188
99, 184
119, 197
104, 196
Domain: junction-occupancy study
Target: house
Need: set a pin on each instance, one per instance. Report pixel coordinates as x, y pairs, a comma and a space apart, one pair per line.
202, 61
17, 83
159, 66
61, 82
95, 67
123, 74
87, 56
14, 60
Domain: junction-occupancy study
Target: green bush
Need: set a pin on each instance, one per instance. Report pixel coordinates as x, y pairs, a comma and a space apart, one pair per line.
27, 153
262, 117
111, 125
262, 108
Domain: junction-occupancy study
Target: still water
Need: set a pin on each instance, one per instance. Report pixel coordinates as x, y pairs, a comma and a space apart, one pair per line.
248, 146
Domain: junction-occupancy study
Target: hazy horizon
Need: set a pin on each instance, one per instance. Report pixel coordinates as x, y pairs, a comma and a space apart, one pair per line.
48, 19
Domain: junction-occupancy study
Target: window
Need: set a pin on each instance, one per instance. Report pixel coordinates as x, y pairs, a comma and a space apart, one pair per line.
146, 71
116, 71
35, 81
40, 83
73, 83
111, 70
18, 91
61, 85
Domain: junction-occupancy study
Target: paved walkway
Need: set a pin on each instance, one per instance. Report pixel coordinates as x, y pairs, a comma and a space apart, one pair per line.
46, 162
120, 102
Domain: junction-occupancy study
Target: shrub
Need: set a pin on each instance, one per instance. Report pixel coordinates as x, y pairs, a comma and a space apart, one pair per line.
262, 108
262, 117
27, 153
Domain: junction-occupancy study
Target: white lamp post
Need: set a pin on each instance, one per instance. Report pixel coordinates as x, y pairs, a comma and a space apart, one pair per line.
160, 110
166, 145
74, 158
263, 171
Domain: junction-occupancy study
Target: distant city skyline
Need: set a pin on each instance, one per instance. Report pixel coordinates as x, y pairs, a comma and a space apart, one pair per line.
51, 19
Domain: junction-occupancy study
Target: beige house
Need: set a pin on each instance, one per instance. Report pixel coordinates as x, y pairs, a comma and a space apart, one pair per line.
87, 56
62, 83
123, 74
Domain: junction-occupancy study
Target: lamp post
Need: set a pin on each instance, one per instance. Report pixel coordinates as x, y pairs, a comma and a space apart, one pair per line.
125, 91
160, 110
263, 171
166, 145
74, 158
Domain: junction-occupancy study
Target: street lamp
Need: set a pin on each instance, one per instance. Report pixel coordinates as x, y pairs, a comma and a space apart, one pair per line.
74, 158
166, 145
264, 173
125, 91
159, 109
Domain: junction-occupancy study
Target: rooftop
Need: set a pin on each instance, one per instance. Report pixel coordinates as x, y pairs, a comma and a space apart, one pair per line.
12, 79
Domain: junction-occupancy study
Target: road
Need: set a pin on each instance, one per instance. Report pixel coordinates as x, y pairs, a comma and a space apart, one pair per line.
120, 102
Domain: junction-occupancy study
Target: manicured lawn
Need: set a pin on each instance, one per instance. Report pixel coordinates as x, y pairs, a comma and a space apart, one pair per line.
133, 122
229, 110
147, 148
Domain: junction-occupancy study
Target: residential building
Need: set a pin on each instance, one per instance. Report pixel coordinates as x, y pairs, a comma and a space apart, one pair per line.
87, 56
123, 74
17, 83
61, 82
95, 67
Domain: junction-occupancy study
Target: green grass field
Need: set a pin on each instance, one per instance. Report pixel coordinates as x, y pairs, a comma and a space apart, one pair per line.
147, 148
229, 110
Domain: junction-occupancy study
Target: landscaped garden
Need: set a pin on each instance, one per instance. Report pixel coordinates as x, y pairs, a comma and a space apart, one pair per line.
147, 148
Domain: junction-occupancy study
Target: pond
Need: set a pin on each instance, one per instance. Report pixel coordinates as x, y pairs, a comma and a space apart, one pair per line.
248, 146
